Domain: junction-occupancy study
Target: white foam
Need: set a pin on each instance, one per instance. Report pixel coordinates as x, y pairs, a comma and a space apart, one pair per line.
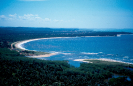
70, 58
55, 52
118, 35
89, 53
110, 54
131, 59
100, 52
66, 53
126, 57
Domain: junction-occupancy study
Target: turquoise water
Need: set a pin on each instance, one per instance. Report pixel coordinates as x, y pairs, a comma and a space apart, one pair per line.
115, 48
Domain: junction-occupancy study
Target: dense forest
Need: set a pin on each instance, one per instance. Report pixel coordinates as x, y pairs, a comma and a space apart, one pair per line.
18, 70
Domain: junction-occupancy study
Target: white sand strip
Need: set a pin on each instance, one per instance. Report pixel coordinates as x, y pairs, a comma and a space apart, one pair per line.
19, 44
82, 60
46, 55
102, 59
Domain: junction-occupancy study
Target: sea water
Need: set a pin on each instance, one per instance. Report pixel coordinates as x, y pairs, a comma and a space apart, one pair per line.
116, 48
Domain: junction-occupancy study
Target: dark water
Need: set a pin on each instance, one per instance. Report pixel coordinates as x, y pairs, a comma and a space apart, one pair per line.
115, 48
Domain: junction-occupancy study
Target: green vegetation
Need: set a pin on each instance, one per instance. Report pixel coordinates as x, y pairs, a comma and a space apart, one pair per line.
114, 67
18, 70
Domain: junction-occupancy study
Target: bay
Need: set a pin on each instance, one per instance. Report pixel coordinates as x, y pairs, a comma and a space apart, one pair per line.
116, 48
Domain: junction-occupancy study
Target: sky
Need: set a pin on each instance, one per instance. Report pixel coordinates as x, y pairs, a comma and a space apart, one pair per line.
67, 13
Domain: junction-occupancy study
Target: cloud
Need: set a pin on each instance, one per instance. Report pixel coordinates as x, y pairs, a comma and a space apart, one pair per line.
26, 17
38, 17
10, 17
3, 17
13, 15
29, 17
47, 19
32, 0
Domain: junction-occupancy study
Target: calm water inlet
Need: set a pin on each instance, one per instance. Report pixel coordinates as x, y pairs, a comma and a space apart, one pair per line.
115, 48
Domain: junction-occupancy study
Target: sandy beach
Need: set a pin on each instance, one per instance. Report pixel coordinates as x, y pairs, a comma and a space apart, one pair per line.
46, 55
19, 46
82, 60
102, 59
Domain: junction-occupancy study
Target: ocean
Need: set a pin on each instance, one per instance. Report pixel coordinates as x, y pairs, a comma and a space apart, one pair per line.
119, 48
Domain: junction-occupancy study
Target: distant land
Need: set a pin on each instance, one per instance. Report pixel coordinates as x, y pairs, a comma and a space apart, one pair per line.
9, 35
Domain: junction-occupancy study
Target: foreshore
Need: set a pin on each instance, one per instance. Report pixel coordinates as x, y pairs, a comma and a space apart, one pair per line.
46, 55
18, 45
102, 59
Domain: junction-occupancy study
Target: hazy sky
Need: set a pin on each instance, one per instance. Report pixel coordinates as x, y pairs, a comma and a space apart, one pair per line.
67, 13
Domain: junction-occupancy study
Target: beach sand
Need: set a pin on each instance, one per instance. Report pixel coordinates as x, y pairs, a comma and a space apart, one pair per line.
46, 55
82, 60
102, 59
18, 45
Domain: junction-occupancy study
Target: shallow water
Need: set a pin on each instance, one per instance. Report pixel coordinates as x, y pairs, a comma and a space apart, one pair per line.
116, 48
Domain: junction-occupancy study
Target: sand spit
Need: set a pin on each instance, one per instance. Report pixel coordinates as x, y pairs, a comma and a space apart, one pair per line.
40, 56
82, 60
102, 59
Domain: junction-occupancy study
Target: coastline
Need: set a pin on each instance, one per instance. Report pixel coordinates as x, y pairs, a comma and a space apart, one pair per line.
39, 56
18, 45
103, 59
82, 60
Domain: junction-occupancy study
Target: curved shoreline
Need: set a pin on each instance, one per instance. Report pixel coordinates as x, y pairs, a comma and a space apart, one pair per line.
18, 45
